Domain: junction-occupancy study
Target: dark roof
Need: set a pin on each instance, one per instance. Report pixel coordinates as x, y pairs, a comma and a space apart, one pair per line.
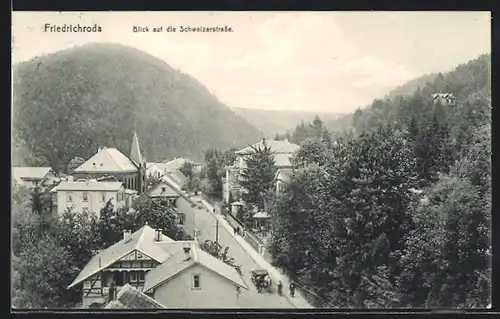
130, 298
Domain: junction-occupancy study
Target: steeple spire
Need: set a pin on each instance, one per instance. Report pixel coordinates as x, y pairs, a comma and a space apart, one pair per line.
135, 151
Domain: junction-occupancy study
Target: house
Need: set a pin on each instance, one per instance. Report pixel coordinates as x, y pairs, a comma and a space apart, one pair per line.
34, 176
192, 278
177, 177
90, 195
126, 262
164, 190
131, 171
178, 163
283, 176
282, 150
156, 170
131, 298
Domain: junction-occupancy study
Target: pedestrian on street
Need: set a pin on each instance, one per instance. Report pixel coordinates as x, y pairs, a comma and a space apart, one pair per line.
292, 290
235, 229
238, 230
280, 288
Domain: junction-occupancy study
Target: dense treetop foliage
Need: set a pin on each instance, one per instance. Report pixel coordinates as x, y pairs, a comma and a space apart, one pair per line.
114, 87
397, 212
48, 254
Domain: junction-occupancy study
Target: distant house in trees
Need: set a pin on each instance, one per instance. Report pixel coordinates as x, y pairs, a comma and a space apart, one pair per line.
131, 298
34, 176
155, 170
443, 98
90, 196
192, 278
177, 163
163, 190
110, 161
282, 150
177, 177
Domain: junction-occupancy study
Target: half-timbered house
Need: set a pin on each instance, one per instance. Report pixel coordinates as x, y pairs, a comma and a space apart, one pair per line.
125, 262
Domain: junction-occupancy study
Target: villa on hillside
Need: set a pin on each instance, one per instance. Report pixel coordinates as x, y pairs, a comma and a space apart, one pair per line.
282, 150
111, 162
176, 274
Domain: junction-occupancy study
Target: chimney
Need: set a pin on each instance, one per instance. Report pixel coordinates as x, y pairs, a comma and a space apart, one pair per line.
187, 251
126, 234
158, 235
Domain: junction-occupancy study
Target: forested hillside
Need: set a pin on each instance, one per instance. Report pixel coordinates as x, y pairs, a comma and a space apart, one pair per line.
271, 122
69, 103
397, 213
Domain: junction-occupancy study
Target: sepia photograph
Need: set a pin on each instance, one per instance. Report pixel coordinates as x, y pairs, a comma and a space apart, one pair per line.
251, 160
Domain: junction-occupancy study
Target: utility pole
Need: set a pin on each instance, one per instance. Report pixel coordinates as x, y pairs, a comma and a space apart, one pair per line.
216, 230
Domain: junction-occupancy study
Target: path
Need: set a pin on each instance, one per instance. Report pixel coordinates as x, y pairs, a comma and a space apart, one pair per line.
245, 256
298, 301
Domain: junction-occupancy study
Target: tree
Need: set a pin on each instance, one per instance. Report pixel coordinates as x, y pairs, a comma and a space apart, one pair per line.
187, 169
258, 176
449, 249
157, 213
43, 273
316, 127
311, 151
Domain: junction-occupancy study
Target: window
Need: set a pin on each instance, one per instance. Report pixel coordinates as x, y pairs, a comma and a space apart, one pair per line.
196, 282
69, 197
85, 197
141, 276
133, 276
103, 197
163, 189
85, 209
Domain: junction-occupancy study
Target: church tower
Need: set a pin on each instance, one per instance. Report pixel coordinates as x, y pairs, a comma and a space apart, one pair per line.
140, 161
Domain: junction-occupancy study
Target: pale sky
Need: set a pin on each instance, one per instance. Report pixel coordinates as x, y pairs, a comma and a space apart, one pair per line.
310, 61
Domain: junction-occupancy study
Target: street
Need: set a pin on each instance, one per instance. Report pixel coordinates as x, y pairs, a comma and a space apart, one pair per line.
206, 223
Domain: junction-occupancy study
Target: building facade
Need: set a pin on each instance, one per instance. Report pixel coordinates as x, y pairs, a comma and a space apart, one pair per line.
192, 278
89, 196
